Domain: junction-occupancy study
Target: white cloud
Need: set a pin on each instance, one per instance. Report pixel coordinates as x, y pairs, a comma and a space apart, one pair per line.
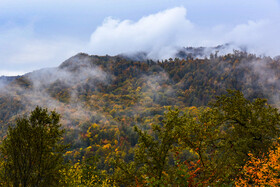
156, 33
41, 34
161, 33
11, 73
260, 37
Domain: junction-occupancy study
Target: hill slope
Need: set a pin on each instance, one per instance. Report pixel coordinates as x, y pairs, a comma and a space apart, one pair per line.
107, 90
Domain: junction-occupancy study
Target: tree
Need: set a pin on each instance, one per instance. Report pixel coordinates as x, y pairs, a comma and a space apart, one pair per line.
261, 171
32, 151
153, 151
224, 135
150, 165
204, 146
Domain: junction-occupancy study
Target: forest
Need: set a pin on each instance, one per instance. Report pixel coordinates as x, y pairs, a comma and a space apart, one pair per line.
114, 121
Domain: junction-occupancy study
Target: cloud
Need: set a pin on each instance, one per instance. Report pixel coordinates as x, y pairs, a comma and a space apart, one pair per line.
11, 73
161, 34
157, 33
22, 51
43, 34
260, 37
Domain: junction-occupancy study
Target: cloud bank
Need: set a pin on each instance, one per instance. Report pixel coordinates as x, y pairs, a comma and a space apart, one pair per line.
42, 34
161, 34
158, 34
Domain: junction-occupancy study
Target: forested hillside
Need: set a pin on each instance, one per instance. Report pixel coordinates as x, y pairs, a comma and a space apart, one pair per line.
102, 98
104, 88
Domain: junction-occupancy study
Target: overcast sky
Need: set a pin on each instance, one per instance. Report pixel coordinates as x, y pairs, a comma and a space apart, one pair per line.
37, 34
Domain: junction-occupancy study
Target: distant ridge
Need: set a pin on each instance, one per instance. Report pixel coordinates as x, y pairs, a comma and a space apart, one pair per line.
8, 79
182, 53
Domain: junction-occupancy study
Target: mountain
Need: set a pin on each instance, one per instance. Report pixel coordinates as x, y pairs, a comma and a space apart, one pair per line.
101, 98
185, 52
7, 79
198, 52
110, 86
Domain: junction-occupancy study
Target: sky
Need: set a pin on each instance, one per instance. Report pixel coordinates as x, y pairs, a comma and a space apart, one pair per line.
39, 34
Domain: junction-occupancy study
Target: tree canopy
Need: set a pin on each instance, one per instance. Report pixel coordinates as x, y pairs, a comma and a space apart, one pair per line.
32, 151
212, 144
233, 141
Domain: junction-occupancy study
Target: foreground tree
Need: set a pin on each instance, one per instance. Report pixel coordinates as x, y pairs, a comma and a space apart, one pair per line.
261, 171
224, 135
32, 152
205, 146
151, 159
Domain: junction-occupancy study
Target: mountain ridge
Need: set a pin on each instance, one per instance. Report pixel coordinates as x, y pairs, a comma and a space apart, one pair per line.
99, 88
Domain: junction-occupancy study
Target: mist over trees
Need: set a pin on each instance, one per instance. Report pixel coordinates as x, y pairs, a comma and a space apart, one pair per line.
148, 122
202, 146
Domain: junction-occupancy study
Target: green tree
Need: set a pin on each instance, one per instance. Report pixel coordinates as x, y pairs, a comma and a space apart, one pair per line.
153, 151
32, 152
208, 145
225, 134
151, 159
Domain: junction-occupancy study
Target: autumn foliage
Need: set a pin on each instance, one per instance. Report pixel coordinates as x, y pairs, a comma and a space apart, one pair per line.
261, 171
159, 123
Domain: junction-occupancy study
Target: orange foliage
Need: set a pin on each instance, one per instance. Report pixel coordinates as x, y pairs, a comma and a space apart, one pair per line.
261, 171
